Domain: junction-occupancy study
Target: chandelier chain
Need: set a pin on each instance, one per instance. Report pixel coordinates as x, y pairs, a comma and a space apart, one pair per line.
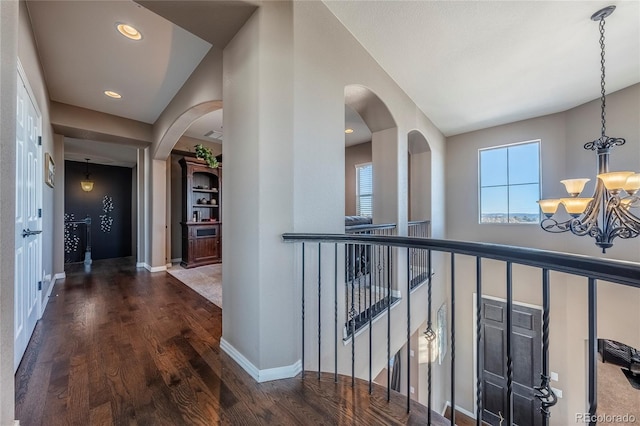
602, 89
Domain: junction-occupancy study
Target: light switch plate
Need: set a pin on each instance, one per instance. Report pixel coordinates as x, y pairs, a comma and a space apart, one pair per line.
411, 352
554, 376
412, 389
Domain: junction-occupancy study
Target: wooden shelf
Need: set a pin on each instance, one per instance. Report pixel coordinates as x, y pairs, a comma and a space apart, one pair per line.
211, 206
209, 191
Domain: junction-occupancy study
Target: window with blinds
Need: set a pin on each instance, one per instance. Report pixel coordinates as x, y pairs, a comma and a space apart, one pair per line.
364, 190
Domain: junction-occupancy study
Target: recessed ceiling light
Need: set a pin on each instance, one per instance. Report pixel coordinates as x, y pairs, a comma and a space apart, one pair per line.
112, 94
129, 32
347, 131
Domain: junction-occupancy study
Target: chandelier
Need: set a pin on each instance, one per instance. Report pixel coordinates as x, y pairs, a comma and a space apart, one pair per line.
87, 183
606, 215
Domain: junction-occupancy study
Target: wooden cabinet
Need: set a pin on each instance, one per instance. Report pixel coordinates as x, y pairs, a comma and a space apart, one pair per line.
201, 213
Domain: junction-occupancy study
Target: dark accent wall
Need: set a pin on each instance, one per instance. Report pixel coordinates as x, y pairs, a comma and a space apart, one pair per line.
111, 217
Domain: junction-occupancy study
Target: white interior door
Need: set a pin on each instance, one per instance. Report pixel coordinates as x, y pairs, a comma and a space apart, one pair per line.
28, 229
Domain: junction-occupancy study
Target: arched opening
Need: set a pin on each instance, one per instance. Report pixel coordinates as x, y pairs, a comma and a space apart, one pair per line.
194, 200
371, 179
418, 177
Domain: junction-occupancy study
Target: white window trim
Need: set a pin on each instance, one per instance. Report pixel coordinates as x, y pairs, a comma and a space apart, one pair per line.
359, 166
479, 186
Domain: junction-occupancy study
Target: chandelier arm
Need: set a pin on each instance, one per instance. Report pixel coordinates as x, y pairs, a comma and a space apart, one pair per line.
628, 218
555, 227
589, 220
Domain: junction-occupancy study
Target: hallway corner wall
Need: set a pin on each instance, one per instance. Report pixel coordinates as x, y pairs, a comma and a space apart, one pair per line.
8, 78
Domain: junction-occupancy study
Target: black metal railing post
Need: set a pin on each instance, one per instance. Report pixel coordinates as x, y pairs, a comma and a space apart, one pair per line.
430, 339
388, 322
319, 306
335, 314
303, 365
408, 332
479, 354
593, 349
544, 392
370, 333
509, 410
453, 339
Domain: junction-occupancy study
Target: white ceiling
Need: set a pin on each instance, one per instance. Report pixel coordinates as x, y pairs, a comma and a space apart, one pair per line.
205, 124
361, 132
474, 64
83, 55
467, 65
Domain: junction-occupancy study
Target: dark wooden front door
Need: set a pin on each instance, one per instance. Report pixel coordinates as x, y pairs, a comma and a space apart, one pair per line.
527, 362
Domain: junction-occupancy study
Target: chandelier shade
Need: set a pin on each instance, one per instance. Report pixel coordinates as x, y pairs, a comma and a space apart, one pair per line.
607, 214
574, 186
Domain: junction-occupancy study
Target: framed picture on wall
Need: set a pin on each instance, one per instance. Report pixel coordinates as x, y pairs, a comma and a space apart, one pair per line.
49, 170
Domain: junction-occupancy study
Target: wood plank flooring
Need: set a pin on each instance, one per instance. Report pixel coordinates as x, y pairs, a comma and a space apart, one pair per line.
120, 346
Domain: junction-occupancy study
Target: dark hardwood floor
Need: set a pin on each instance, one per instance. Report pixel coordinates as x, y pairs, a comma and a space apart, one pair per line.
120, 346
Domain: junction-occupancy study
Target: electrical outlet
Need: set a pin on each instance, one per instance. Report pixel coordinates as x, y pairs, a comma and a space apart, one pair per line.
558, 392
411, 352
554, 376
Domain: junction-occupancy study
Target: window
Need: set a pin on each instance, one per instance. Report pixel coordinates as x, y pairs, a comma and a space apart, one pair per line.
510, 183
364, 190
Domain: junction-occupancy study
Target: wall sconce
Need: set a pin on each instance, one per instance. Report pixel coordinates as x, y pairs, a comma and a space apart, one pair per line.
86, 184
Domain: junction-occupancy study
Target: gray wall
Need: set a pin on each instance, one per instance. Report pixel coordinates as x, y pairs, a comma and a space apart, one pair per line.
8, 78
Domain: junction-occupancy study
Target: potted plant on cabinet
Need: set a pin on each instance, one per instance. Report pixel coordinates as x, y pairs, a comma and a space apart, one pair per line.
205, 154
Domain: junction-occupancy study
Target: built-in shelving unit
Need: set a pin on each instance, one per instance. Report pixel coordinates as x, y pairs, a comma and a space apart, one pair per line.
201, 213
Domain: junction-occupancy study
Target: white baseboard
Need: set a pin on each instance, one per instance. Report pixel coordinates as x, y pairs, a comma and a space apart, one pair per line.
139, 264
155, 268
58, 276
260, 376
460, 409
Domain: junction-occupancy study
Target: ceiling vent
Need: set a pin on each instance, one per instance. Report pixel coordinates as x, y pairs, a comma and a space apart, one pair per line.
212, 134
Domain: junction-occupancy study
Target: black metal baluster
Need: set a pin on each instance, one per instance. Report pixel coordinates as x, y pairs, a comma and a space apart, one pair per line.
388, 322
319, 304
303, 310
359, 251
430, 338
335, 314
352, 317
509, 410
370, 324
544, 392
479, 359
453, 339
408, 332
593, 350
